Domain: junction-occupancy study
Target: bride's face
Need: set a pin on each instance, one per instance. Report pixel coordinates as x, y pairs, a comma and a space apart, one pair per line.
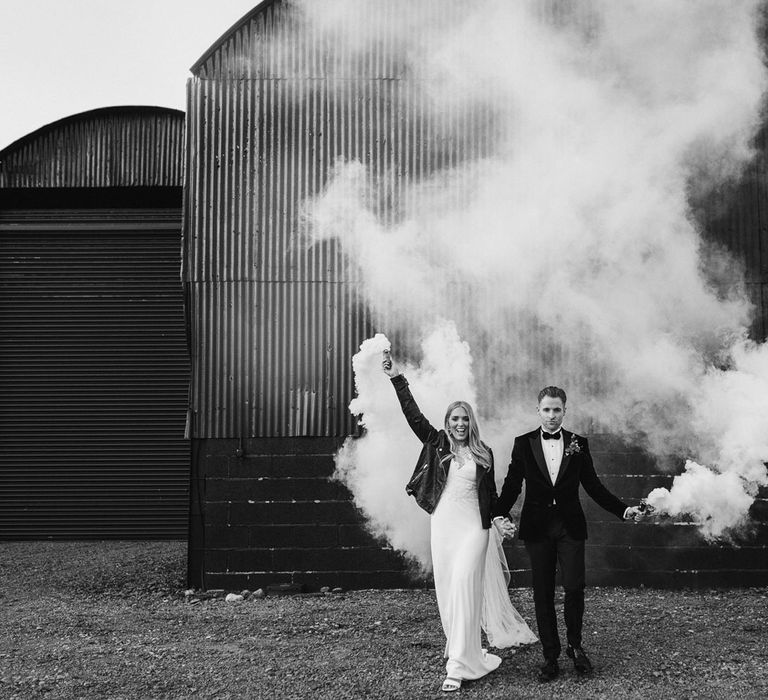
458, 424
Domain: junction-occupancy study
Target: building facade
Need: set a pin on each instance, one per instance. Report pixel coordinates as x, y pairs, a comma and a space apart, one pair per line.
93, 358
274, 322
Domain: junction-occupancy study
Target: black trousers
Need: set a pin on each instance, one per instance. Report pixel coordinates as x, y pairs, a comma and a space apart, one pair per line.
557, 548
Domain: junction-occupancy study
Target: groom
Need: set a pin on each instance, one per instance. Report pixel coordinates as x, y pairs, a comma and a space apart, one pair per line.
553, 462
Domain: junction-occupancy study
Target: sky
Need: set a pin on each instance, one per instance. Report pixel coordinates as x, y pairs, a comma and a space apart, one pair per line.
62, 57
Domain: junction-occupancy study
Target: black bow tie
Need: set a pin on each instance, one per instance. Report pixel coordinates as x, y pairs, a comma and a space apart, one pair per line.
550, 436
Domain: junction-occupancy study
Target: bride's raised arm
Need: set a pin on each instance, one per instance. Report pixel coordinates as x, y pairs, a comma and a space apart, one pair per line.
423, 429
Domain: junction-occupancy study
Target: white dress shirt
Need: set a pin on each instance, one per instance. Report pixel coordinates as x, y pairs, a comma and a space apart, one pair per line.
553, 454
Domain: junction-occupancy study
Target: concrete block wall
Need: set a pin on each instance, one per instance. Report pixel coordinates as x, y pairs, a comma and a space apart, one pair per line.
266, 512
272, 515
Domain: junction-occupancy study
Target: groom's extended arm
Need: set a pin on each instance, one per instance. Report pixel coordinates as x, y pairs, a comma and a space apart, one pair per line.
594, 487
513, 483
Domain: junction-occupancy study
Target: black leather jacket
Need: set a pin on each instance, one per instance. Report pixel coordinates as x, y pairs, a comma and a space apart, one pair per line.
435, 458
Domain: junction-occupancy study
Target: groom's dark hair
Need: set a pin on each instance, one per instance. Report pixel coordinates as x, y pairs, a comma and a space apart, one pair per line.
554, 392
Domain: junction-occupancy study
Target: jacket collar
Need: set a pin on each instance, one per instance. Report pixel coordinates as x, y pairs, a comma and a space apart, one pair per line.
444, 452
444, 455
538, 453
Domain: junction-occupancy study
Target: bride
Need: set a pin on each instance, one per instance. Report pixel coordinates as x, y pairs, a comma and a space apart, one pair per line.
454, 482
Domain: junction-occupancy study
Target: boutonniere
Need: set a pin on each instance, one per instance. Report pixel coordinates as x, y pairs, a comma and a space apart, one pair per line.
573, 446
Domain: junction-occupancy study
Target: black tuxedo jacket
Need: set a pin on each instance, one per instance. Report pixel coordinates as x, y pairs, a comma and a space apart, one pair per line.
542, 497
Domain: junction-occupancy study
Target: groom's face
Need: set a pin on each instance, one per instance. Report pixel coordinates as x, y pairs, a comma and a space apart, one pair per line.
551, 412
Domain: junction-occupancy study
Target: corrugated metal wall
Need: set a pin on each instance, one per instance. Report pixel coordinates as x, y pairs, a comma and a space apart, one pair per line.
737, 217
111, 147
268, 116
274, 322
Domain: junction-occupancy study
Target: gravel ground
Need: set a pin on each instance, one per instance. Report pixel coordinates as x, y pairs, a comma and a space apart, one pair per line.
109, 620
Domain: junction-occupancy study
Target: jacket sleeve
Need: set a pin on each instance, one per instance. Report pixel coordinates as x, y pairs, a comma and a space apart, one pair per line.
513, 483
594, 487
416, 419
492, 477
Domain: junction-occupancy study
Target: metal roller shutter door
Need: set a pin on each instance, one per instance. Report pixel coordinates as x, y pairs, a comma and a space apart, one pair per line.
93, 376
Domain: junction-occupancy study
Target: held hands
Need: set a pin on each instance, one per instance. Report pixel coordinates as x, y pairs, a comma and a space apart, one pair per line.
505, 527
388, 364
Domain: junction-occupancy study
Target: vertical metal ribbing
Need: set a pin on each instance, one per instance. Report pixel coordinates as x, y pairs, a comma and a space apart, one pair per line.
269, 119
111, 147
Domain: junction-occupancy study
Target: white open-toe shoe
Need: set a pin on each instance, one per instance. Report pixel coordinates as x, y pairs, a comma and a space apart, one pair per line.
451, 684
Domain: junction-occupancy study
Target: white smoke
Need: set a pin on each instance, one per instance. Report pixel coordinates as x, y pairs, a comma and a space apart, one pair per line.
715, 500
567, 252
377, 466
730, 420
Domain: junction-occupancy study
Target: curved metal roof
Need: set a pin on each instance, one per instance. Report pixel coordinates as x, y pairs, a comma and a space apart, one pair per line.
229, 33
126, 146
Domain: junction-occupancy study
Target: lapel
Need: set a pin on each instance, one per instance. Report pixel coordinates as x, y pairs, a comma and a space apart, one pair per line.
566, 457
444, 454
538, 453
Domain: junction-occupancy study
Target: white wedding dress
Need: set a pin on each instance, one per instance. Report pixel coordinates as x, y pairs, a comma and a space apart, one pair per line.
471, 580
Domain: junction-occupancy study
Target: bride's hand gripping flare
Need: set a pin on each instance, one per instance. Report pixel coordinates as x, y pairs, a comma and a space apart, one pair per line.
388, 364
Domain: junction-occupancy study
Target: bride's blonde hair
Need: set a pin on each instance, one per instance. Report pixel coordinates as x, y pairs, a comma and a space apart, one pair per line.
480, 453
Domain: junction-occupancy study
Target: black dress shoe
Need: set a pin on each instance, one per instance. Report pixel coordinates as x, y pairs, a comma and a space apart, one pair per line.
548, 672
581, 661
